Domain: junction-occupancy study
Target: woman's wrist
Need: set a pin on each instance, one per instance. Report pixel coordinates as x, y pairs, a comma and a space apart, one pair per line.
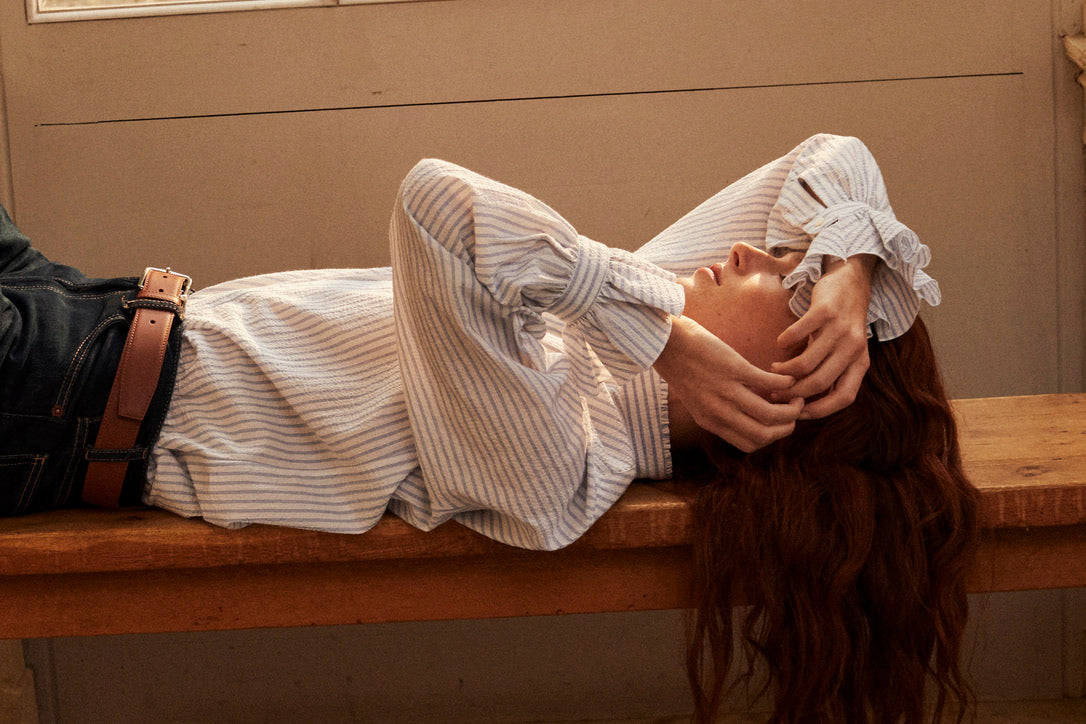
862, 264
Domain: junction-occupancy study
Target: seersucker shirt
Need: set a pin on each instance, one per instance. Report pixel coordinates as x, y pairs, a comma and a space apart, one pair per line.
499, 373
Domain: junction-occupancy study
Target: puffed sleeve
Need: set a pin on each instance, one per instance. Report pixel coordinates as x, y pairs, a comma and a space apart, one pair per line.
834, 198
515, 439
827, 197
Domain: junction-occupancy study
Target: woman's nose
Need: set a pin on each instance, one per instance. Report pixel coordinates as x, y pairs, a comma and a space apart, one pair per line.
747, 259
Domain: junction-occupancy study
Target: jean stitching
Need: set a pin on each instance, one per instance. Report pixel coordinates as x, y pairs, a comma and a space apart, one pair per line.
31, 484
74, 460
78, 357
64, 292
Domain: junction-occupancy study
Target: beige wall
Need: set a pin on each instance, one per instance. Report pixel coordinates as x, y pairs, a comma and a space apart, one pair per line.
248, 142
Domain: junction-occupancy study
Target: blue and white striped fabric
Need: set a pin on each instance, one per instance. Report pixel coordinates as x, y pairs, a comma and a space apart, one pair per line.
520, 442
287, 407
501, 375
291, 409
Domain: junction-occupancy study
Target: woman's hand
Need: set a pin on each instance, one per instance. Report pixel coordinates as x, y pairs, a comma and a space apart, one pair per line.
835, 361
722, 391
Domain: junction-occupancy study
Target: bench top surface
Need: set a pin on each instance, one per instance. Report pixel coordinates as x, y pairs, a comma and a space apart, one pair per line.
1026, 454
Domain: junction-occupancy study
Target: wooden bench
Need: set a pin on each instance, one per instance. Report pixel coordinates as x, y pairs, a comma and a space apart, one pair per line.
92, 572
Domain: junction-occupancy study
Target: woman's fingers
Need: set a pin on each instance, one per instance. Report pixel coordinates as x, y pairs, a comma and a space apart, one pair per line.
759, 408
803, 328
765, 433
835, 360
753, 427
831, 361
723, 392
755, 378
843, 393
818, 349
733, 411
835, 347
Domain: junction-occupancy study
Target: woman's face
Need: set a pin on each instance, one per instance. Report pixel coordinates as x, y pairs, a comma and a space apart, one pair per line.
743, 302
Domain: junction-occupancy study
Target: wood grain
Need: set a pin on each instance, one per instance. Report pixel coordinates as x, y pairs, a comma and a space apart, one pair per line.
94, 572
1028, 457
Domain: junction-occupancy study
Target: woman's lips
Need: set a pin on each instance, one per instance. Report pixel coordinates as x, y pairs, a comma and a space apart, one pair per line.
715, 272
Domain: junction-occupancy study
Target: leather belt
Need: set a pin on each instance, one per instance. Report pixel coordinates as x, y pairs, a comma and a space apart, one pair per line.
159, 302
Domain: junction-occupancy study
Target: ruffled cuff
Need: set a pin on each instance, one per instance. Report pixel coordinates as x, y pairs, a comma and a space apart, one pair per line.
629, 321
897, 286
611, 301
836, 200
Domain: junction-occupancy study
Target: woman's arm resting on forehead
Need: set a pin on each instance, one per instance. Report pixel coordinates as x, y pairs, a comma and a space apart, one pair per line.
720, 389
835, 328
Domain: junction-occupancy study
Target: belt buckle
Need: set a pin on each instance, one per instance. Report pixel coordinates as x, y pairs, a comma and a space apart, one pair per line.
186, 285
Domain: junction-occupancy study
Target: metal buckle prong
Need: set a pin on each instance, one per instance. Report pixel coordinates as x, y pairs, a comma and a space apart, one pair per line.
186, 285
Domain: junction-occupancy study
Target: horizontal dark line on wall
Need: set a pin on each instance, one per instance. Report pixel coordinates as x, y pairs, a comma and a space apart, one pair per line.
518, 99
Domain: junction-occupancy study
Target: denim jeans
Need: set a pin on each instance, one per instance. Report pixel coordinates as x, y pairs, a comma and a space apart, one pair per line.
61, 337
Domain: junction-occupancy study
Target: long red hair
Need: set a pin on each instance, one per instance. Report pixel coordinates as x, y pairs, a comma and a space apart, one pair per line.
849, 543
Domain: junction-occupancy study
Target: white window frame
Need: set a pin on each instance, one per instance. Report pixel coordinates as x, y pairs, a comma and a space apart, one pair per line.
51, 11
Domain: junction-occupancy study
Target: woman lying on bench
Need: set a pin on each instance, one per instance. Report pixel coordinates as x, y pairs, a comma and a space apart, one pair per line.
514, 376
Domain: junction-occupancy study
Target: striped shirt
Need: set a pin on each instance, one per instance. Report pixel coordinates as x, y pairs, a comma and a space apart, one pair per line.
499, 373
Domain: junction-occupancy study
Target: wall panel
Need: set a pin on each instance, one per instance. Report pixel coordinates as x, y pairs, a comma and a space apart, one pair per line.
237, 195
458, 50
239, 143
